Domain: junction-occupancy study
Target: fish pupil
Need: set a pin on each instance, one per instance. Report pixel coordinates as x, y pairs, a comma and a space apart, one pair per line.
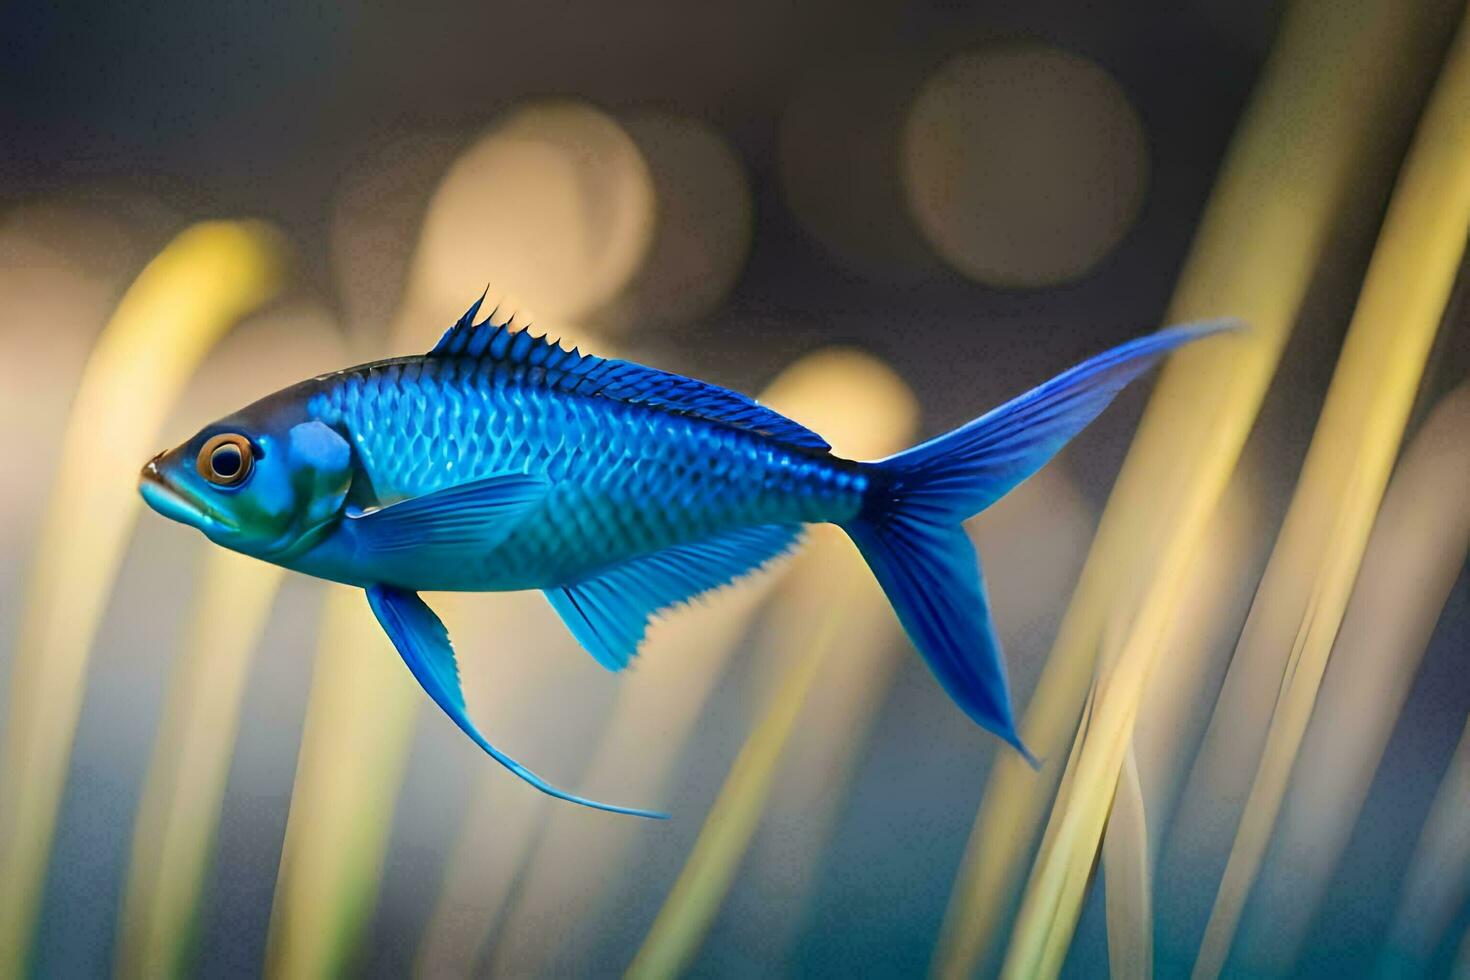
226, 461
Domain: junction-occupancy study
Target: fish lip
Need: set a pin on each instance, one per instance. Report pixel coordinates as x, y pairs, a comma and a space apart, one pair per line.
169, 502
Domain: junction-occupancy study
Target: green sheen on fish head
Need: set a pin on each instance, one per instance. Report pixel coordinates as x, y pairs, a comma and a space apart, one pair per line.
266, 481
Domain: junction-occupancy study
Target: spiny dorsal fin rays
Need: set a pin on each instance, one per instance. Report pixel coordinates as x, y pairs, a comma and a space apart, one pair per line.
506, 333
504, 313
572, 371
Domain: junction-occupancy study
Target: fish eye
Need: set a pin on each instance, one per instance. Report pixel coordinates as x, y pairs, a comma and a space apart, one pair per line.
226, 459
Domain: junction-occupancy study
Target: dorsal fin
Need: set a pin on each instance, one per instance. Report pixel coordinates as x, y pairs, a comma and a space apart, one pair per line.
634, 384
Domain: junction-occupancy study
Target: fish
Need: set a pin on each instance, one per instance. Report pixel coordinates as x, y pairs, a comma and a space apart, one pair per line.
504, 461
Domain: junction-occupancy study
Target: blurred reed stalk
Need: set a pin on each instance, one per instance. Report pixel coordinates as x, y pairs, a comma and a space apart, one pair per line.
1033, 543
354, 748
181, 304
1313, 126
1181, 694
1417, 550
657, 711
501, 821
1304, 593
834, 625
480, 872
179, 811
1438, 880
691, 906
1129, 896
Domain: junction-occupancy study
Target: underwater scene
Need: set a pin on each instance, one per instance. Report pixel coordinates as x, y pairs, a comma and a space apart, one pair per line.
879, 489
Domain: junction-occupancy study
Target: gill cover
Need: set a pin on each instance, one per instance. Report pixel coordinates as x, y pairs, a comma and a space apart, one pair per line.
320, 461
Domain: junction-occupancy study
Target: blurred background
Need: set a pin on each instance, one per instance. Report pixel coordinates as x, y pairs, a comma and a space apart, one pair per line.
886, 217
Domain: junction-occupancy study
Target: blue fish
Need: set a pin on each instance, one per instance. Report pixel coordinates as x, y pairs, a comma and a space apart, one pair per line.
502, 461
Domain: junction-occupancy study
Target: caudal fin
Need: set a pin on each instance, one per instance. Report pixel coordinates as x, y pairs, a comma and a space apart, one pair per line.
910, 529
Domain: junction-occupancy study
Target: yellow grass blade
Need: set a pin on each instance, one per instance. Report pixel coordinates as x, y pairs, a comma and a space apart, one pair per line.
1182, 693
660, 705
1194, 651
179, 811
354, 747
502, 819
1314, 125
500, 826
695, 899
1130, 912
1417, 550
1212, 605
1305, 590
1438, 881
831, 611
198, 287
813, 777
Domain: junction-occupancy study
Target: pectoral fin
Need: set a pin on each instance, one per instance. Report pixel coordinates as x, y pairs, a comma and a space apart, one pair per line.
471, 516
423, 642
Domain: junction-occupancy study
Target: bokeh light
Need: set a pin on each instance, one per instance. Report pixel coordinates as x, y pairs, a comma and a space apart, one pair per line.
705, 218
377, 211
1024, 165
840, 173
555, 202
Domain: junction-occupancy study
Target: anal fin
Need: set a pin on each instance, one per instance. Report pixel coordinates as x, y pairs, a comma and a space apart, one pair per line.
608, 613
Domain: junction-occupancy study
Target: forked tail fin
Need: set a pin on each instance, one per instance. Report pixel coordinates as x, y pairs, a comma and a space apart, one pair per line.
910, 529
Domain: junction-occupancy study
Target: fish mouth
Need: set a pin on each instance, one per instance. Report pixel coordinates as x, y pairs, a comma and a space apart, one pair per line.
162, 497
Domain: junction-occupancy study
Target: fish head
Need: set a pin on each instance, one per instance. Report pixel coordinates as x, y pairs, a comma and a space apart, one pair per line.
266, 481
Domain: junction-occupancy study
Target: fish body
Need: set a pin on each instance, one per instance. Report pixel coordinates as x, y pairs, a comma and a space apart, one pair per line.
622, 479
499, 461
